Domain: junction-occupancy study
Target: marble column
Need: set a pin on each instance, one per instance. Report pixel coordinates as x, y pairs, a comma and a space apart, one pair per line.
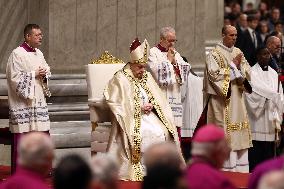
190, 26
214, 19
77, 31
14, 15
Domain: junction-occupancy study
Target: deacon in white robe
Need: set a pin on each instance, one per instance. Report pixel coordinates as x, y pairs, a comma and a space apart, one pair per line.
27, 74
169, 70
225, 79
265, 109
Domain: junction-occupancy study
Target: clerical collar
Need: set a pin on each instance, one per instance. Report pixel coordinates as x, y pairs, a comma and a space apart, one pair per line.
27, 47
226, 48
264, 67
161, 48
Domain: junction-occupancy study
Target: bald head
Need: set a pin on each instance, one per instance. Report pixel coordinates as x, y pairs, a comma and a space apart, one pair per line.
229, 34
272, 180
243, 20
228, 28
105, 169
272, 39
273, 44
36, 151
243, 17
164, 153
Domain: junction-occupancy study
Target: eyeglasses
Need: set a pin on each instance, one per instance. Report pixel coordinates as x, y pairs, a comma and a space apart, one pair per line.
233, 35
171, 40
39, 35
36, 35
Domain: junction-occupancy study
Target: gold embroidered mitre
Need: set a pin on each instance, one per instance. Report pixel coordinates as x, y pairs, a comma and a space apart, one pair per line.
139, 52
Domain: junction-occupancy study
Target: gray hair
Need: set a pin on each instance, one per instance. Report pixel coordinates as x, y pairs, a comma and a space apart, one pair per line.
244, 15
202, 149
272, 39
34, 149
165, 30
272, 180
164, 152
105, 168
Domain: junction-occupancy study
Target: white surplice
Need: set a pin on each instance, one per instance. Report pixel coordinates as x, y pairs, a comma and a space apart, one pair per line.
192, 102
265, 104
28, 108
163, 72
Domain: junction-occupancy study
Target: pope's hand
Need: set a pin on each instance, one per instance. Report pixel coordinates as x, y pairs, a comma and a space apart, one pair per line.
147, 108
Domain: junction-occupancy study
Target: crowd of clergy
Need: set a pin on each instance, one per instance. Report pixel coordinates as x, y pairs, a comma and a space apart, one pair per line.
170, 128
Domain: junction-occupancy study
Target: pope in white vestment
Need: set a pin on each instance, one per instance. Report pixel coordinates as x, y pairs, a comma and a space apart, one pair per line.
265, 109
142, 115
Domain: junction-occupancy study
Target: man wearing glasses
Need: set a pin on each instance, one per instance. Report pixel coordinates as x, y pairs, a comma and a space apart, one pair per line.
169, 70
273, 44
27, 74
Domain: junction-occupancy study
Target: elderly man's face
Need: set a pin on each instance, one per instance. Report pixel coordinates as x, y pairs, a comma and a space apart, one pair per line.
169, 40
275, 47
34, 38
138, 70
230, 37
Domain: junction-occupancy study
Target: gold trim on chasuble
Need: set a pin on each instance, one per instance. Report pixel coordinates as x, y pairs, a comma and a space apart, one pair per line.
136, 150
230, 127
221, 64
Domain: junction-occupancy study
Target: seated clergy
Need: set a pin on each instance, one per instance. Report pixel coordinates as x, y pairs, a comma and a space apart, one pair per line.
142, 113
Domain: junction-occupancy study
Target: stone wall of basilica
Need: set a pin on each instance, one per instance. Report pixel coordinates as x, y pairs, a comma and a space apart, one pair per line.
76, 31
